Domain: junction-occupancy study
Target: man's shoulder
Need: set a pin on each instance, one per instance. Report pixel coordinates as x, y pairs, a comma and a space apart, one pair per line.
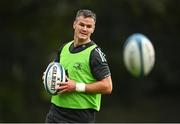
64, 44
97, 53
97, 50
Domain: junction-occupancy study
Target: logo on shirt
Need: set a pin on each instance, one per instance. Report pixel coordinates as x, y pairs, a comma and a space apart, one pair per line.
77, 66
101, 54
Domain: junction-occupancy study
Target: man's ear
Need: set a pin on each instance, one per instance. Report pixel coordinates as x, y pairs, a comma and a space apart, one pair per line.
93, 29
74, 24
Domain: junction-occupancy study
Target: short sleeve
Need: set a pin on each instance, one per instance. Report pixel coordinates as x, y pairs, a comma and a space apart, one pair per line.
57, 57
98, 64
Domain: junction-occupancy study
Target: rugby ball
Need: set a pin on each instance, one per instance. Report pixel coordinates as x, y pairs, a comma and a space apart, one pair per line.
138, 55
54, 73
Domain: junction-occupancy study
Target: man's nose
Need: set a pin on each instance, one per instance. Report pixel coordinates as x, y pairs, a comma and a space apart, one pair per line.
84, 28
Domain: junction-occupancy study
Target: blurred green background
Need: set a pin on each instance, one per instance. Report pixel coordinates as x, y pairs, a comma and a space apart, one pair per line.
31, 31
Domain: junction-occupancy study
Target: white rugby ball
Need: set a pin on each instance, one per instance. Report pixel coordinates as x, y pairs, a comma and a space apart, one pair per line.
138, 55
54, 73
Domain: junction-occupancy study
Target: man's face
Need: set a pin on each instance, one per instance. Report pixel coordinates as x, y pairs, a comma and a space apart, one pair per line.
83, 28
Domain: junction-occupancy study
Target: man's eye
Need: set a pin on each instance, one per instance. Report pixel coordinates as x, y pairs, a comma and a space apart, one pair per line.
81, 25
89, 26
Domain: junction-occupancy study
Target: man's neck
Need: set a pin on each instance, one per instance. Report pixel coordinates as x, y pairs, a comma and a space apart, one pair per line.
78, 42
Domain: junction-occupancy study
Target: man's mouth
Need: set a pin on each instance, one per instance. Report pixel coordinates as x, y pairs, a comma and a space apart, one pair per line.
83, 33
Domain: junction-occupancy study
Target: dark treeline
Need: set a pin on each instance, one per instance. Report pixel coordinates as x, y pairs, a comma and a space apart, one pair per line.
31, 32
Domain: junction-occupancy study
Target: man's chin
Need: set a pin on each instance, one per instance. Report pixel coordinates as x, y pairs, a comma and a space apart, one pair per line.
82, 39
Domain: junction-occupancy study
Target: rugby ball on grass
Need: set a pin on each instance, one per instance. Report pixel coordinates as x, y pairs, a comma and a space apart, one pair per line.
54, 73
138, 55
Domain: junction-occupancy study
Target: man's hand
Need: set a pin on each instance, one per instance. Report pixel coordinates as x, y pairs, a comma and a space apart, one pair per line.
43, 76
68, 86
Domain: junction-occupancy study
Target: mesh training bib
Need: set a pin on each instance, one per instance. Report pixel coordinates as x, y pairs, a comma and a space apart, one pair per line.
77, 66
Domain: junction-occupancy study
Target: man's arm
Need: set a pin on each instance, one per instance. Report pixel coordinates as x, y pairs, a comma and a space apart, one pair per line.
103, 86
100, 70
